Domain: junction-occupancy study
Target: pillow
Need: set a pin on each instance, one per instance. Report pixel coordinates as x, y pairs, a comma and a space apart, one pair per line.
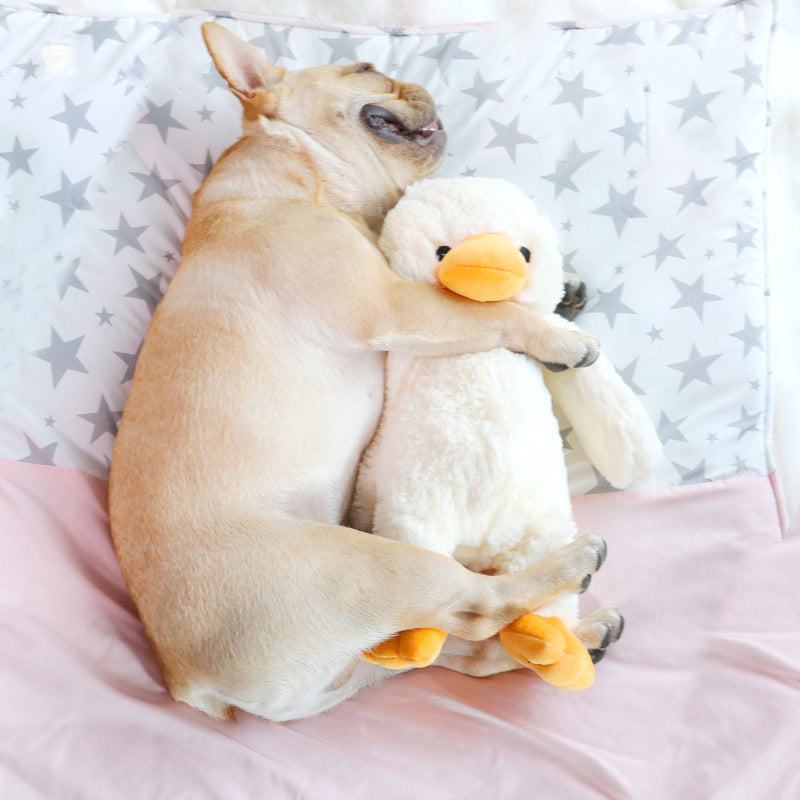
644, 141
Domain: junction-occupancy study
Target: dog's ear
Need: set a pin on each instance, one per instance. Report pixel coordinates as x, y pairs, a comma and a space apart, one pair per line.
246, 69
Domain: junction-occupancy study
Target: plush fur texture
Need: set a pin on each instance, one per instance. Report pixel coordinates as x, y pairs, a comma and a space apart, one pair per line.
468, 458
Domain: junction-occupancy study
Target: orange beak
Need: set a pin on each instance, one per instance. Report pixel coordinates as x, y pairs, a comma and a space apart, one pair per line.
485, 267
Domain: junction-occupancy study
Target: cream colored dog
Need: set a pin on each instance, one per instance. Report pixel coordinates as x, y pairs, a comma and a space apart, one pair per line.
260, 383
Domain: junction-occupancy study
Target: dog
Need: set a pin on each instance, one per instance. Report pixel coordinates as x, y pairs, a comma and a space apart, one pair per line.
260, 383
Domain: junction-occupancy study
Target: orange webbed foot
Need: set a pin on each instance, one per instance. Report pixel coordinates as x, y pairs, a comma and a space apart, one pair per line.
418, 647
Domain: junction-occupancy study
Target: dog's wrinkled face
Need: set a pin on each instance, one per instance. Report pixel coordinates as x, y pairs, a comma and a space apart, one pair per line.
353, 111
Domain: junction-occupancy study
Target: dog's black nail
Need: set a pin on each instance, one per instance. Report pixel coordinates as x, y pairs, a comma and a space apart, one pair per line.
585, 584
589, 359
597, 655
620, 628
554, 367
601, 556
607, 638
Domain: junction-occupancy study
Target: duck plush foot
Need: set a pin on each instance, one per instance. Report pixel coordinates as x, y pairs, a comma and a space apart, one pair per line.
418, 647
549, 648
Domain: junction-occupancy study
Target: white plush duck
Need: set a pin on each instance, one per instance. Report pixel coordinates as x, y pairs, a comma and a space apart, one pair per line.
468, 458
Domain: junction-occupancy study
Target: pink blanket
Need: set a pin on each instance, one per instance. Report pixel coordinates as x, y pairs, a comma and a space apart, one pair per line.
700, 699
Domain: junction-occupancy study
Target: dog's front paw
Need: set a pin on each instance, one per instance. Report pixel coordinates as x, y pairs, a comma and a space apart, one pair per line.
573, 301
569, 348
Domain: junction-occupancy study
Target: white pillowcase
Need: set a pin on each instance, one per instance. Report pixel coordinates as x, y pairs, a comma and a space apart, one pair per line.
645, 142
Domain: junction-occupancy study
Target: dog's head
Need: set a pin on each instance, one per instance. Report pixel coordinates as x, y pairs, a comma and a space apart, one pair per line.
353, 111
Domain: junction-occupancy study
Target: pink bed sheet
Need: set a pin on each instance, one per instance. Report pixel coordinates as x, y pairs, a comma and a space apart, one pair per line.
699, 700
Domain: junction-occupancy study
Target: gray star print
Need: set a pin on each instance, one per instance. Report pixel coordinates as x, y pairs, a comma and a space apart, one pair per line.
509, 137
630, 131
275, 44
742, 160
601, 484
213, 80
147, 289
205, 167
344, 47
18, 158
693, 296
627, 375
750, 74
169, 29
666, 248
695, 104
69, 280
483, 90
690, 475
695, 368
101, 30
205, 114
743, 238
446, 50
567, 262
40, 455
750, 335
610, 304
74, 117
71, 197
104, 420
670, 429
745, 423
692, 191
623, 35
574, 92
567, 167
105, 317
17, 101
688, 27
620, 208
161, 117
134, 72
740, 465
130, 360
29, 68
153, 183
655, 333
126, 235
62, 356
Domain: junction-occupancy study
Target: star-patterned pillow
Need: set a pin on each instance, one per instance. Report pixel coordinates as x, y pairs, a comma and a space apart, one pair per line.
644, 141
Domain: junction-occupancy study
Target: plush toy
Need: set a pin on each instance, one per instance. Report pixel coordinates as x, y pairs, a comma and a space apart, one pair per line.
468, 458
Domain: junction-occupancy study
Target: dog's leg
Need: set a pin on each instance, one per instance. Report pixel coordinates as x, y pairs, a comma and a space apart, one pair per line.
269, 660
425, 320
599, 630
596, 632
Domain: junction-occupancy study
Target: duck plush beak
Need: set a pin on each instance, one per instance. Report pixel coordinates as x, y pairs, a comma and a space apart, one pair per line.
485, 267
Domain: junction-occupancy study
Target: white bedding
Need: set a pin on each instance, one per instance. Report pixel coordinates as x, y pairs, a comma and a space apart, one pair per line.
783, 175
783, 178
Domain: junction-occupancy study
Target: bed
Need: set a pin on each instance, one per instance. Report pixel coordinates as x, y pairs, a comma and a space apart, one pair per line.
650, 143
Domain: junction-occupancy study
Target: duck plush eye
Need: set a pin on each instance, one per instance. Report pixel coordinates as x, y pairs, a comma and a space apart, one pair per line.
442, 251
526, 254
